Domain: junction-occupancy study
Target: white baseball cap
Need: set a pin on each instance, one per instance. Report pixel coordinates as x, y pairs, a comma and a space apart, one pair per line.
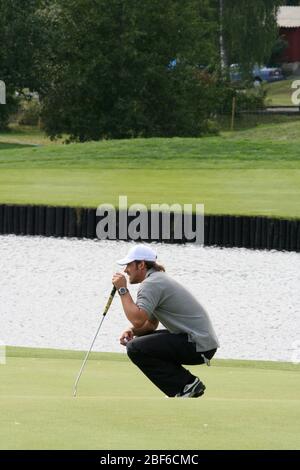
139, 253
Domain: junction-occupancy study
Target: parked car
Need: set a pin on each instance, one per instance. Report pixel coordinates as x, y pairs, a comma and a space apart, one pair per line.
259, 73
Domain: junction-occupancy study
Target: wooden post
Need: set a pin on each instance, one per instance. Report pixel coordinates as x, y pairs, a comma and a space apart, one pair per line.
233, 113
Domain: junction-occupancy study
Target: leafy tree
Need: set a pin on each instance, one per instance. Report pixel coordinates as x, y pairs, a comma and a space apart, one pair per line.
112, 75
21, 40
250, 31
123, 68
278, 49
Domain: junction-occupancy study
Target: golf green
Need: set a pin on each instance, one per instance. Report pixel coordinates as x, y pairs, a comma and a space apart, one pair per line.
247, 405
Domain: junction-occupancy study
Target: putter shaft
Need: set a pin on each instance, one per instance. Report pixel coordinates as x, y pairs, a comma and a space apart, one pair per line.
112, 294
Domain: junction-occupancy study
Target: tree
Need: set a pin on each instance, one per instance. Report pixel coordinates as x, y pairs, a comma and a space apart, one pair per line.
123, 68
112, 75
21, 42
250, 30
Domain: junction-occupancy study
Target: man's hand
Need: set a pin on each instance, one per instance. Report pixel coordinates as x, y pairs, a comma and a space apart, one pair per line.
126, 336
119, 280
137, 316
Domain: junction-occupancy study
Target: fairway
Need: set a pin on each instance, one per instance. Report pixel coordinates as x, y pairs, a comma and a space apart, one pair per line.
250, 172
251, 192
247, 405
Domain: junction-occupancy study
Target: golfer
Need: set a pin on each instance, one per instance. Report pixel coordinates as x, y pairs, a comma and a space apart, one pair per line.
188, 337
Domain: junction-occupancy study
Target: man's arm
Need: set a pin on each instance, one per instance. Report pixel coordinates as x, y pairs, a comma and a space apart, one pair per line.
147, 327
137, 316
129, 334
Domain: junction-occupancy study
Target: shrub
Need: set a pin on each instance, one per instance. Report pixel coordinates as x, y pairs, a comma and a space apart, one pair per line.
29, 113
247, 99
8, 109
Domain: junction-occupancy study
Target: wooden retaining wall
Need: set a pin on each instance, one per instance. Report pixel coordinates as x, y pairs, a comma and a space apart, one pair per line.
220, 230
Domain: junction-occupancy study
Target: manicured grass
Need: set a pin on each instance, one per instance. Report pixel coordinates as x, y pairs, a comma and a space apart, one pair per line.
252, 192
226, 151
118, 408
254, 171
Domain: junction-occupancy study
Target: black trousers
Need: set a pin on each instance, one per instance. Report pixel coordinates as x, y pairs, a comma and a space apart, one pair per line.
160, 356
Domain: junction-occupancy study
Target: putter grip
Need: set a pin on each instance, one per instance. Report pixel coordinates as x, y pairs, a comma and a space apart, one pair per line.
112, 294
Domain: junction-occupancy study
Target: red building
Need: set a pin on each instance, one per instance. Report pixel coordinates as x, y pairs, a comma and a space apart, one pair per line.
288, 20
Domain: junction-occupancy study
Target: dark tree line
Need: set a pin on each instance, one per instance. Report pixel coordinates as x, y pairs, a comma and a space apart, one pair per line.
127, 68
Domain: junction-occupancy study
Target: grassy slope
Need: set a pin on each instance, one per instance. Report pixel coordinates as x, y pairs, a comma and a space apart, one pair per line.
280, 93
118, 408
255, 171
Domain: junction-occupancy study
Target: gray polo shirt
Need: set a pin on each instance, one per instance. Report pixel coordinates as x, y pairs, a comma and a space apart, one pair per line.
176, 308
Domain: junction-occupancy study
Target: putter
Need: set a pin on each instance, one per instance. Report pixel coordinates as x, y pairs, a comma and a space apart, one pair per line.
112, 294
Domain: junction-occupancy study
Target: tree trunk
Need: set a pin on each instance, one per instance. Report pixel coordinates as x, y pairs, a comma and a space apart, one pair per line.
223, 56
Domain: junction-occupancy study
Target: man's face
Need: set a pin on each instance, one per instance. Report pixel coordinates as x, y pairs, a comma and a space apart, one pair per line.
135, 272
